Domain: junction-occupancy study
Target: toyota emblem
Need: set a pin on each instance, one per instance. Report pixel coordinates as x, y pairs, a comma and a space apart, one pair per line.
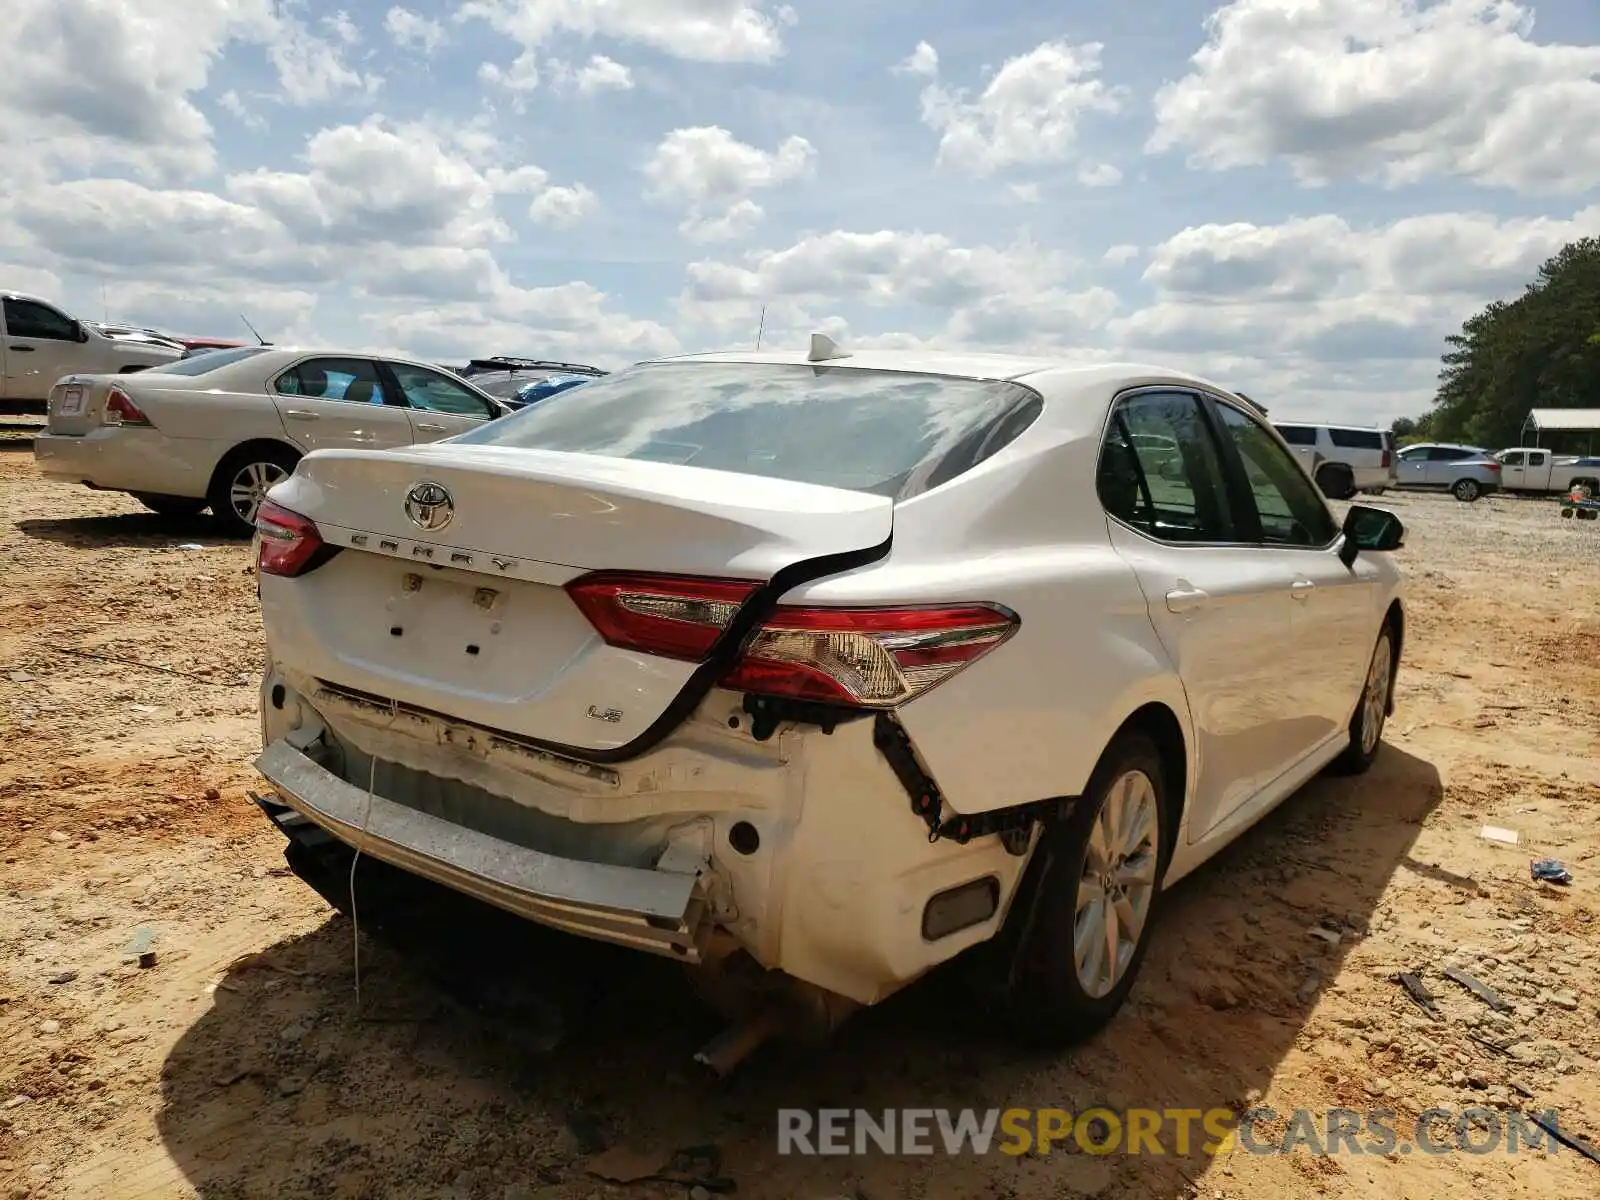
429, 505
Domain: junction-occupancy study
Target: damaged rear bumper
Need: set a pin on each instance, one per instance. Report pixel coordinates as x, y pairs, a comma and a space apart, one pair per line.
662, 911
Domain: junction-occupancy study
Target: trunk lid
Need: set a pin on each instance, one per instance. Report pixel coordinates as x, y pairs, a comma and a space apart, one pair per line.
77, 403
470, 618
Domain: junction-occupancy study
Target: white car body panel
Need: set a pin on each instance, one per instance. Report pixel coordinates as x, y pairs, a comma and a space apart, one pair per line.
1260, 680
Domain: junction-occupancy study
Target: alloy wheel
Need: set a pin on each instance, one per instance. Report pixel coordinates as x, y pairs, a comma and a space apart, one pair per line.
1375, 697
250, 486
1116, 883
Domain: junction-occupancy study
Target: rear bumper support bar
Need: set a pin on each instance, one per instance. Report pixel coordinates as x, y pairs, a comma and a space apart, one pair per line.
662, 911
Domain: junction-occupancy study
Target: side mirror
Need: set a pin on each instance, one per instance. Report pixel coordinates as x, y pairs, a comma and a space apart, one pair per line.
79, 333
1367, 528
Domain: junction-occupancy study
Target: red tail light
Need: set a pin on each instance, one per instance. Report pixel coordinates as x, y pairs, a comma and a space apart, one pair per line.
1386, 460
287, 541
857, 657
1492, 465
121, 410
673, 616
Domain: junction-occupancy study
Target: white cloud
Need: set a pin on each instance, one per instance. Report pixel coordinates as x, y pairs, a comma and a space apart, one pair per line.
563, 206
1117, 255
1014, 295
1321, 297
96, 83
711, 172
395, 223
699, 30
311, 69
413, 31
599, 74
1099, 175
342, 27
1390, 90
1025, 193
740, 219
521, 76
924, 60
1029, 113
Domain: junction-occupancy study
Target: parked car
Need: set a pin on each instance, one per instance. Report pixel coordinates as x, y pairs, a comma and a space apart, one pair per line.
219, 429
519, 392
826, 664
1354, 458
1466, 472
190, 345
1542, 473
39, 343
522, 381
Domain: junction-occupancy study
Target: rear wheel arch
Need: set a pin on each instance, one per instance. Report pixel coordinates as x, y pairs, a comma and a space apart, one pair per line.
243, 450
1395, 620
1160, 724
245, 455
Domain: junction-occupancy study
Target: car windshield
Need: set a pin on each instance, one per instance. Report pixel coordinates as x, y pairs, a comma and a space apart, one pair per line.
202, 363
841, 427
506, 386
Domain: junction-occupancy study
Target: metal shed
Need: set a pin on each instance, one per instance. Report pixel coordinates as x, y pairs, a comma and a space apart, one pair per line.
1584, 422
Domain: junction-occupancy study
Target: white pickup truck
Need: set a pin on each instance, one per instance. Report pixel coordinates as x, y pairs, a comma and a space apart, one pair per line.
1541, 472
39, 344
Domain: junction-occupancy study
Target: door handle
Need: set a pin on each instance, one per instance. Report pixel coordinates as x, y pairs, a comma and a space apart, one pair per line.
22, 349
1186, 598
1301, 588
430, 428
300, 414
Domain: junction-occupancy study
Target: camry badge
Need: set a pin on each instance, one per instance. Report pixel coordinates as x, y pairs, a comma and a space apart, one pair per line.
429, 505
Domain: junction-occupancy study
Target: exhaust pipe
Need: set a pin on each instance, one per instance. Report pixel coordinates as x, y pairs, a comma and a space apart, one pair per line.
739, 1041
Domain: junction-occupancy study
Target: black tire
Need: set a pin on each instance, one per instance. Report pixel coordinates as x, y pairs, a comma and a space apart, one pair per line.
1045, 1001
171, 506
1336, 481
1372, 709
1466, 490
261, 464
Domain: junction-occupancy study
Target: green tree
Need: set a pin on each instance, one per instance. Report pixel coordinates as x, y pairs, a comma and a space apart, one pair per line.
1541, 350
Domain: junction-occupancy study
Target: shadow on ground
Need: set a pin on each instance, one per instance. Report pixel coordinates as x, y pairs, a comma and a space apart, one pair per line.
492, 1057
139, 529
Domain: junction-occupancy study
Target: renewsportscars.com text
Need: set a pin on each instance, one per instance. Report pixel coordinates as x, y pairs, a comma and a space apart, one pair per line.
1161, 1131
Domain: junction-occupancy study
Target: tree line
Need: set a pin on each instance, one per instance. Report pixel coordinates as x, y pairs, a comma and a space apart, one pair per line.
1541, 350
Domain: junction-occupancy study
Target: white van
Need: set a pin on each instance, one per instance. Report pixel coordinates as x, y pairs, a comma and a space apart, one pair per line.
1355, 458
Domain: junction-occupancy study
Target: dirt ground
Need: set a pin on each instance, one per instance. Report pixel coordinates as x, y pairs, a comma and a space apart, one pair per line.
490, 1060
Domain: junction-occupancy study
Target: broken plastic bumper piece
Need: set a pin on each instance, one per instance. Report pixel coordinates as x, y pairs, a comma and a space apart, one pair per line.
662, 911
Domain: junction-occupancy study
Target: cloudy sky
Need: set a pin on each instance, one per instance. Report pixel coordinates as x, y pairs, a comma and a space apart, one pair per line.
1298, 197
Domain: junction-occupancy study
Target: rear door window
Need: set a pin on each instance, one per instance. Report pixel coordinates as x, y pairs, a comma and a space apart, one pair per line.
1160, 470
1447, 454
1298, 435
351, 379
1357, 439
891, 433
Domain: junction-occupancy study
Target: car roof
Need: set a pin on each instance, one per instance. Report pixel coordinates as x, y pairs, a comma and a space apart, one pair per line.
1330, 425
10, 294
1057, 374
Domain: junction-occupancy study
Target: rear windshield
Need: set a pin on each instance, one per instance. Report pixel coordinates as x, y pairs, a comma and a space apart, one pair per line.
1357, 439
886, 432
202, 363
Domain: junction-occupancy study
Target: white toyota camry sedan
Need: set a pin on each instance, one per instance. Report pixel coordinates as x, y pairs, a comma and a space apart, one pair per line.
219, 429
834, 664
